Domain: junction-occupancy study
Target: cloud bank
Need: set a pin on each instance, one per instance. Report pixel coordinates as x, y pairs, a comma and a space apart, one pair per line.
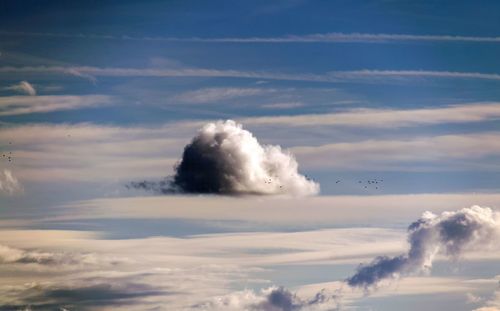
451, 233
223, 158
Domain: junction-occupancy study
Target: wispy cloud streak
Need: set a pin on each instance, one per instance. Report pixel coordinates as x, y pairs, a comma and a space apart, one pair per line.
207, 95
90, 73
17, 105
333, 37
388, 118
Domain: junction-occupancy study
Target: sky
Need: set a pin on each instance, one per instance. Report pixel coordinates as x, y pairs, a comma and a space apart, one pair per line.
361, 132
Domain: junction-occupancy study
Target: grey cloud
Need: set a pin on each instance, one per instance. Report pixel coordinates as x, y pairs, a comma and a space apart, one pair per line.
451, 234
82, 297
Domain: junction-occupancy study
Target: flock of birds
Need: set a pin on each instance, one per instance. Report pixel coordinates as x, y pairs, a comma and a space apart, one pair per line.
7, 155
374, 183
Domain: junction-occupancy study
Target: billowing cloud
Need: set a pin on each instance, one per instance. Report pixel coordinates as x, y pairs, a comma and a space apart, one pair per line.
223, 158
22, 87
271, 299
9, 184
451, 234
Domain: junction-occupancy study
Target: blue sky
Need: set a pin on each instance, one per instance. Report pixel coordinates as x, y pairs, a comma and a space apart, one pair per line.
97, 94
265, 78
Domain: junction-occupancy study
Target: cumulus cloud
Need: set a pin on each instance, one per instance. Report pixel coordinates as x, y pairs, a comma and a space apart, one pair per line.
9, 184
223, 158
272, 299
451, 234
22, 87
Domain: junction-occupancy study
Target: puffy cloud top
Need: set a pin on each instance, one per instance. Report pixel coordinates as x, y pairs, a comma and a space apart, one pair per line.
223, 158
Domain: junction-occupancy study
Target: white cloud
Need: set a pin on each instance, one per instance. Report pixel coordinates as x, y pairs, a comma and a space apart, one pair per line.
223, 158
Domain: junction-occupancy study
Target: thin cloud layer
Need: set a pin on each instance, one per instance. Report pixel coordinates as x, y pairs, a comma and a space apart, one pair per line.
332, 37
208, 95
450, 234
18, 105
223, 158
371, 76
22, 87
49, 259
